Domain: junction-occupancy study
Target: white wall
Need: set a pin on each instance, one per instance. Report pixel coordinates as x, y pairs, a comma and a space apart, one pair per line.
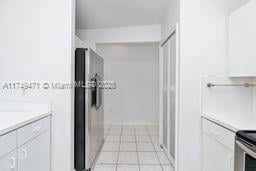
151, 33
134, 67
203, 52
171, 17
79, 43
37, 45
254, 98
225, 100
235, 4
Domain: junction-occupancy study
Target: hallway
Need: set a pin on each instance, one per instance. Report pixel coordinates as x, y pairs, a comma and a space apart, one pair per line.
132, 148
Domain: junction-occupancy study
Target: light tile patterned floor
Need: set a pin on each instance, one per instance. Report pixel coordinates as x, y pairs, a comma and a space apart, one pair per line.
132, 148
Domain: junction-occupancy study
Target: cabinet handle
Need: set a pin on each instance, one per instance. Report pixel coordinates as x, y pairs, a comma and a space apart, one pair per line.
37, 129
13, 163
25, 154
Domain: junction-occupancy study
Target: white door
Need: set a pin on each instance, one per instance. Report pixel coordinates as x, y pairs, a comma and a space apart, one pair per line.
9, 162
170, 75
95, 112
172, 96
35, 154
165, 94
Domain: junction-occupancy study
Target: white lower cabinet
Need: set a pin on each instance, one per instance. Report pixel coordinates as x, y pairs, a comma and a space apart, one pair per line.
216, 157
218, 147
9, 162
27, 148
35, 154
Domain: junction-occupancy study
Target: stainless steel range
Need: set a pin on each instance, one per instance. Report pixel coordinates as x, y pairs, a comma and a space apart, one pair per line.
245, 151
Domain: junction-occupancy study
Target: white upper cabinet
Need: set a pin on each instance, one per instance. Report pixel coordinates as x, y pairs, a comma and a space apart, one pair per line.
242, 41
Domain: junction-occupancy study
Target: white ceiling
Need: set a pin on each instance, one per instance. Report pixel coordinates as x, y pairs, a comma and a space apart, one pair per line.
95, 14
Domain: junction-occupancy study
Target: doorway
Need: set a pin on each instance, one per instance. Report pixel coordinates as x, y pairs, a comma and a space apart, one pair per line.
132, 109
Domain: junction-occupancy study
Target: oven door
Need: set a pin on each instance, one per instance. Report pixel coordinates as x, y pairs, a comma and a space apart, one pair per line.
245, 156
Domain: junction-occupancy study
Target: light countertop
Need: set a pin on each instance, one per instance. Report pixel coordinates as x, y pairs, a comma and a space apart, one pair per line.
12, 120
233, 123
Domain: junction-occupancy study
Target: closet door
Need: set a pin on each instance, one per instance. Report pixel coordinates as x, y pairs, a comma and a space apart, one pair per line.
170, 75
165, 93
172, 96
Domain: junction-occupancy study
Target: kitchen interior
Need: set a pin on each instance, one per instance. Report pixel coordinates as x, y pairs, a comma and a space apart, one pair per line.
185, 94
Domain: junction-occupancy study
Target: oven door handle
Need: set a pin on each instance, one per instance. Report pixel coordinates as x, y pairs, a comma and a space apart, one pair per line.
246, 149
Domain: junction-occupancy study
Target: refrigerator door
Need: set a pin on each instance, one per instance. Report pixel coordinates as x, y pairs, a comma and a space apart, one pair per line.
80, 107
89, 121
95, 67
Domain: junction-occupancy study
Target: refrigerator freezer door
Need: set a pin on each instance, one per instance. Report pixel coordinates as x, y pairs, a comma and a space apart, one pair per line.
89, 121
95, 68
80, 134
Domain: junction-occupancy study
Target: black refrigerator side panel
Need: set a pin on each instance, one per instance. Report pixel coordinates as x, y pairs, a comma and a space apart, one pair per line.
80, 110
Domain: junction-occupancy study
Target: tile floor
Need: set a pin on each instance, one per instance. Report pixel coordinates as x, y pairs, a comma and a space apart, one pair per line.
132, 148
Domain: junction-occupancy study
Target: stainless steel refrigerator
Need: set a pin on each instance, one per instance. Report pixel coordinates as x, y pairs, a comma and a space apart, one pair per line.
89, 117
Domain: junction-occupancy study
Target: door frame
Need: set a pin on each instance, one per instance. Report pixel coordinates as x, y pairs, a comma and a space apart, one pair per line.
173, 31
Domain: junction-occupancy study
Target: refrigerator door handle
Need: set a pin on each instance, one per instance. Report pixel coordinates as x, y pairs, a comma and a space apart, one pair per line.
98, 91
89, 113
94, 92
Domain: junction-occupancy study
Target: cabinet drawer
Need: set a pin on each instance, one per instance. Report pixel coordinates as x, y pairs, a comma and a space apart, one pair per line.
8, 141
31, 131
219, 133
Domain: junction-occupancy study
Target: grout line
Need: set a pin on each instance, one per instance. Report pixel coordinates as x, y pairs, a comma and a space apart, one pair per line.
119, 147
167, 157
137, 150
107, 132
126, 164
154, 148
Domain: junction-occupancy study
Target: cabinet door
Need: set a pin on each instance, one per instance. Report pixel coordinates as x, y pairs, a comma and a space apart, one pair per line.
35, 154
242, 40
9, 162
216, 156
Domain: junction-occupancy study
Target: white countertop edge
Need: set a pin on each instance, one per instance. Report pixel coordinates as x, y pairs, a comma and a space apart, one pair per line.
22, 124
219, 122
